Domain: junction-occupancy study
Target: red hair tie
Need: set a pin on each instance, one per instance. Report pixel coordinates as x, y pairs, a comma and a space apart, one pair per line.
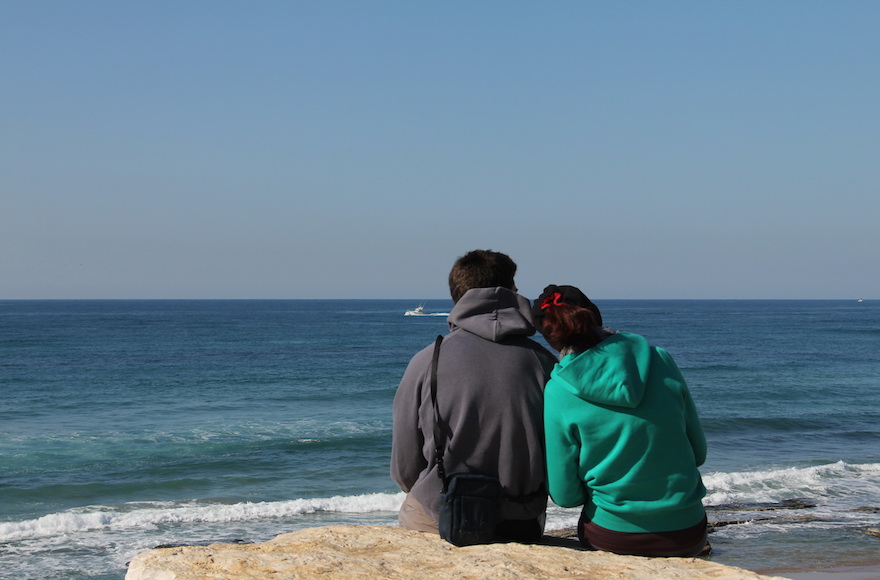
552, 300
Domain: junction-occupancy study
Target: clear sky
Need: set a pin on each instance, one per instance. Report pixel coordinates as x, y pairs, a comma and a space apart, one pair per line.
305, 149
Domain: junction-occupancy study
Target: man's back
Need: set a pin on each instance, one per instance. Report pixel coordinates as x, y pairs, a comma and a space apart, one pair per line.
490, 397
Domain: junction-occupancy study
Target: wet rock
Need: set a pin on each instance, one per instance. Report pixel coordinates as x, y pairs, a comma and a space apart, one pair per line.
868, 510
786, 504
734, 514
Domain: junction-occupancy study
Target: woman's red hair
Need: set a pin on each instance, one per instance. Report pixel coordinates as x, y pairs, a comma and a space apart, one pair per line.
566, 325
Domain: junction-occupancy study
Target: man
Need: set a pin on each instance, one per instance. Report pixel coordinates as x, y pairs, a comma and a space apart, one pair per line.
490, 380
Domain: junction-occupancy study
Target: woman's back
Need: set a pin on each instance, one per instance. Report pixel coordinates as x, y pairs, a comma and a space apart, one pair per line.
623, 438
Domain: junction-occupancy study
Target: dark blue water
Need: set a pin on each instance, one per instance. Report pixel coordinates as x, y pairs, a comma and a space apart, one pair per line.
128, 424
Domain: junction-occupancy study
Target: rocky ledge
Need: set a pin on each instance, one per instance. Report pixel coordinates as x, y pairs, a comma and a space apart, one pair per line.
345, 552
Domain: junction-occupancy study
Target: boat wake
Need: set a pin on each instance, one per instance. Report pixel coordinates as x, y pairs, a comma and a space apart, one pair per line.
420, 311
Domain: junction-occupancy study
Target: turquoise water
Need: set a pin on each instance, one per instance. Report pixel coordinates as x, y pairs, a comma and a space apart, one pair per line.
129, 424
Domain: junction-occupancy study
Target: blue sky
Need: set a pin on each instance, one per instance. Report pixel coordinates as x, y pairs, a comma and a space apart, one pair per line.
354, 149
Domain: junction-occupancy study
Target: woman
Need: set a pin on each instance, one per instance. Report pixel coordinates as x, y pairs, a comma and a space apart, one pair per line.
622, 433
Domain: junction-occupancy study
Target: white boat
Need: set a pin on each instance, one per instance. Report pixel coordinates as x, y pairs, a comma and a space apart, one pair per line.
420, 311
417, 311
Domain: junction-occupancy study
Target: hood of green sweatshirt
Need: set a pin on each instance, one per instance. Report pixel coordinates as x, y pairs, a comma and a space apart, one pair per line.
614, 372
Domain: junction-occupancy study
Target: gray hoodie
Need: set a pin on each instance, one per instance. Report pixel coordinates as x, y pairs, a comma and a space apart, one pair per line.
490, 393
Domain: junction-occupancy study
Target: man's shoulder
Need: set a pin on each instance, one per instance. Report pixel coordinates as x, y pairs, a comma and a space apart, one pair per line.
421, 361
425, 354
533, 344
511, 345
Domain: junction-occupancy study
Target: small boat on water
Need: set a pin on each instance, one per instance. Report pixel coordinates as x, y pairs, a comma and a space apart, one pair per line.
417, 311
420, 311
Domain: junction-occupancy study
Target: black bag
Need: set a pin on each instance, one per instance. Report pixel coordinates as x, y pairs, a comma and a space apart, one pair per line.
470, 502
469, 509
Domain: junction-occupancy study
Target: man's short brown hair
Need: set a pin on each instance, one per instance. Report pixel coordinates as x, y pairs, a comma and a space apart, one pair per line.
481, 269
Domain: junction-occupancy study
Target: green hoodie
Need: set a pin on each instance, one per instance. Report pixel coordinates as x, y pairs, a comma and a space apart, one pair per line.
623, 437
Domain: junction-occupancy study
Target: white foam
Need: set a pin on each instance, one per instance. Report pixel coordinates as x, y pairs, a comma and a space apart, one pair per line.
151, 515
858, 482
855, 485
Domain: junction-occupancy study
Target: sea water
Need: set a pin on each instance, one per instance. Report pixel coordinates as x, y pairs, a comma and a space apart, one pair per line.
125, 425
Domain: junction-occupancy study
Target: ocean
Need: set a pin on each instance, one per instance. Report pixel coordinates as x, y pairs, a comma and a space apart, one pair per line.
126, 425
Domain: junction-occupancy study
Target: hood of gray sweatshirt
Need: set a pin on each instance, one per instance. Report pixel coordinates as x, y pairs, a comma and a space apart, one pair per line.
493, 313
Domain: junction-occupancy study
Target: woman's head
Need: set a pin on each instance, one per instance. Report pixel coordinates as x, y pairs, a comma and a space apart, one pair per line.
567, 318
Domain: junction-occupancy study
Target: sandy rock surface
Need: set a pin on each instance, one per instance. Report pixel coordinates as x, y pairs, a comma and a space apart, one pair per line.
347, 552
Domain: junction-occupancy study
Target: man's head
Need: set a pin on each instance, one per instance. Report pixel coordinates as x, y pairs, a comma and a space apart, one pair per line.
481, 269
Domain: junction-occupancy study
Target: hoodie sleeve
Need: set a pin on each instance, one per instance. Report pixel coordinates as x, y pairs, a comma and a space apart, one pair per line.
694, 429
563, 451
693, 426
407, 440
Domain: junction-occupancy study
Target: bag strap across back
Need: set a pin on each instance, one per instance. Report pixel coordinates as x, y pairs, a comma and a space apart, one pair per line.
439, 440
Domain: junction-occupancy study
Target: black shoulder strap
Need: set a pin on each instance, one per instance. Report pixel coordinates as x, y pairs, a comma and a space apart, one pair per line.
439, 441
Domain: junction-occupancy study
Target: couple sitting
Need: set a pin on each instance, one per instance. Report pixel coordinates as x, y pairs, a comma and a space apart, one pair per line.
615, 429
